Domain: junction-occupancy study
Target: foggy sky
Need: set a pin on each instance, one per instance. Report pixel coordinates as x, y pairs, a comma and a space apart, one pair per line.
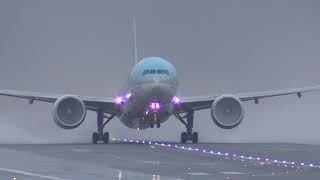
85, 48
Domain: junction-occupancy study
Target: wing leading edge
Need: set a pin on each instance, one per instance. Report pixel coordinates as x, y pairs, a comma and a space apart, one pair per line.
205, 102
188, 104
92, 103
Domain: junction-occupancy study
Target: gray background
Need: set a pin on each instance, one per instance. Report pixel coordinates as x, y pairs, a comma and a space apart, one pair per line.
85, 47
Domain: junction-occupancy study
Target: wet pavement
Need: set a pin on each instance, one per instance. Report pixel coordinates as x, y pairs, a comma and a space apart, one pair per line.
159, 161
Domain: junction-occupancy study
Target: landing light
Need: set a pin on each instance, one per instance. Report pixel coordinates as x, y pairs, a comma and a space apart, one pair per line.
118, 100
176, 100
128, 95
155, 106
242, 158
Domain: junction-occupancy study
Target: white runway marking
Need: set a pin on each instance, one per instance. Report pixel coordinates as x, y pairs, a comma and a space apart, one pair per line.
231, 173
82, 150
151, 162
198, 174
113, 156
30, 174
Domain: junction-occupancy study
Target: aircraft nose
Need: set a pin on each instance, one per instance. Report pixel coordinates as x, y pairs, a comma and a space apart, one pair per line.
160, 90
156, 80
156, 89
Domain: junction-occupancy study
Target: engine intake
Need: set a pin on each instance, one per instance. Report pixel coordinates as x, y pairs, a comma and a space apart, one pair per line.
227, 111
69, 112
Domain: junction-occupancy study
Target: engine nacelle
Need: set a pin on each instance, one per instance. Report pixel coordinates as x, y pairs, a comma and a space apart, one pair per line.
69, 112
227, 111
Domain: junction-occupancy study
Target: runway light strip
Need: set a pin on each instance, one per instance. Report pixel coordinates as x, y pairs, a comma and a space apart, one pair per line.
212, 152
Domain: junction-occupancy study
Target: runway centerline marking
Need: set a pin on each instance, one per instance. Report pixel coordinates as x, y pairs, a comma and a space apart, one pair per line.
232, 173
151, 162
30, 174
198, 174
82, 150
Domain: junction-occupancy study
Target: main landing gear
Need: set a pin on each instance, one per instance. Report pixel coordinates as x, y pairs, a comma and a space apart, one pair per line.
102, 120
188, 136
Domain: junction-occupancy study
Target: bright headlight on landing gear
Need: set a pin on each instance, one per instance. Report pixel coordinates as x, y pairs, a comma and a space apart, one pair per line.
154, 106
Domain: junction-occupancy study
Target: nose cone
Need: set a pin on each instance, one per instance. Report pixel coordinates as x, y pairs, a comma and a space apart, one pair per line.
159, 90
150, 92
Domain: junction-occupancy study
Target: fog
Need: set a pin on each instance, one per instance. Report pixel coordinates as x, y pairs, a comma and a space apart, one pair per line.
85, 48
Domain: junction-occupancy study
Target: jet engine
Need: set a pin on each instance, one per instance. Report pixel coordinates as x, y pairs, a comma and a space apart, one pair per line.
227, 111
69, 112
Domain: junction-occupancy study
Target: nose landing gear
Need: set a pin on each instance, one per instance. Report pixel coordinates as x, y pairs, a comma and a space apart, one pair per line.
189, 135
154, 121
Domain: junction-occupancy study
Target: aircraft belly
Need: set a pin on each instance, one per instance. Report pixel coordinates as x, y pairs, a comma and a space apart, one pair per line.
143, 122
137, 114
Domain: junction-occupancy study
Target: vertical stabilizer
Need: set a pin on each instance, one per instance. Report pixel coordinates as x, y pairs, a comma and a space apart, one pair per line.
135, 50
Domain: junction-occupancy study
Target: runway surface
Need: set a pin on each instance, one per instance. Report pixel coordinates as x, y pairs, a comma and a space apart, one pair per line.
157, 162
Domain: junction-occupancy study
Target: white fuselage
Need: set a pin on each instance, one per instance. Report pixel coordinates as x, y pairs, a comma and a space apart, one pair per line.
136, 111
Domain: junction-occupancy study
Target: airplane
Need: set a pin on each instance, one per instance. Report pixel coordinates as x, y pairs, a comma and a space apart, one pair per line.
149, 99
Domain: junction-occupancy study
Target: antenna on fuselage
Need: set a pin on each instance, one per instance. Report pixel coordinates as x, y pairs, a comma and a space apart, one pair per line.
135, 50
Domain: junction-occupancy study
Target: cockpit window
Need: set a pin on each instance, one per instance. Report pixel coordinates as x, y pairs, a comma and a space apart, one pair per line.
163, 71
145, 72
153, 71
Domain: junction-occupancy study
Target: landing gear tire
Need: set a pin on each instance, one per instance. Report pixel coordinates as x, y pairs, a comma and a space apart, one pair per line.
95, 138
106, 138
103, 119
195, 138
187, 120
183, 137
152, 125
158, 124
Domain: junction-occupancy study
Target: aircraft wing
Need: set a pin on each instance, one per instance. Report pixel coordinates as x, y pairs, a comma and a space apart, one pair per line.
92, 103
205, 102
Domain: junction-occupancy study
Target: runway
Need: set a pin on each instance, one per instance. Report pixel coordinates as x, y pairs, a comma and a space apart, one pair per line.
157, 161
